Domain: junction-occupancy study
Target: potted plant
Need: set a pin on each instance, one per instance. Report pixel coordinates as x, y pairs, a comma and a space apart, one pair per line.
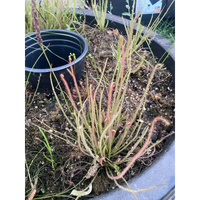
99, 143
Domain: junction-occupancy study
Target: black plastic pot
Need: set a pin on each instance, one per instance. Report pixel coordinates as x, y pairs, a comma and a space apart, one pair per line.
119, 7
60, 43
163, 169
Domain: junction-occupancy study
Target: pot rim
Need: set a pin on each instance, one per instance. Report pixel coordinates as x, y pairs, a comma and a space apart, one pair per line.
83, 54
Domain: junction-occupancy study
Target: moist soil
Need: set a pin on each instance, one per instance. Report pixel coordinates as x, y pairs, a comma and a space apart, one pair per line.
71, 165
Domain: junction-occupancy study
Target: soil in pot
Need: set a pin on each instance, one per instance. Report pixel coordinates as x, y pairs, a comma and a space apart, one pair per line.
71, 164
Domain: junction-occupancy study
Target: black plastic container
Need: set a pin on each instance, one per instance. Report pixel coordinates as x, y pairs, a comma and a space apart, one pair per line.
60, 43
162, 171
119, 7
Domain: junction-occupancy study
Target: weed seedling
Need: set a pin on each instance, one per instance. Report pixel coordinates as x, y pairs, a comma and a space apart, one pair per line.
46, 143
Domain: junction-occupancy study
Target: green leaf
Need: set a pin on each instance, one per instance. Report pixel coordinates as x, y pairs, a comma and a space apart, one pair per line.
128, 7
69, 28
111, 6
116, 167
126, 14
141, 142
47, 158
42, 190
89, 56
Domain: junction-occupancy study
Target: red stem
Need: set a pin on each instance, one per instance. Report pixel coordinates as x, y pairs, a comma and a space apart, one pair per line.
141, 150
68, 91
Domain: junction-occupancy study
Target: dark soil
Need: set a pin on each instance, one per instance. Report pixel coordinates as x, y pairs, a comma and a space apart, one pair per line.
71, 164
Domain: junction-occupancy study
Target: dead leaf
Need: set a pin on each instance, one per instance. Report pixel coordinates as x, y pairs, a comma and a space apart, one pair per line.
115, 31
92, 171
157, 95
31, 196
109, 32
82, 192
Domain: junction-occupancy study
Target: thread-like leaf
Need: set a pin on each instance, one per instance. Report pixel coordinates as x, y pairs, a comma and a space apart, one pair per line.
68, 91
141, 150
92, 114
